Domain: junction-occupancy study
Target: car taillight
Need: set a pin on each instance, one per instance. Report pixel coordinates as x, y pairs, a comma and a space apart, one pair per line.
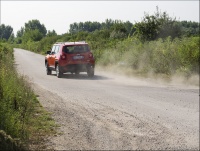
90, 55
63, 57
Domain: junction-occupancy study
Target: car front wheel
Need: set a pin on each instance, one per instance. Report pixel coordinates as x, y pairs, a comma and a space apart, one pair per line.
48, 71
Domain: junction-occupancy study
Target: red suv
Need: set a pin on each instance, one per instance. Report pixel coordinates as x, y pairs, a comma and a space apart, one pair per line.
74, 57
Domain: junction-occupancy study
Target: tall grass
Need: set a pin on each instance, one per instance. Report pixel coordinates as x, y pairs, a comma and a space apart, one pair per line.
18, 103
166, 56
16, 97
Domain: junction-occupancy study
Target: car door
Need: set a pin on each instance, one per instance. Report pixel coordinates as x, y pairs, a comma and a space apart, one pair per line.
54, 55
51, 57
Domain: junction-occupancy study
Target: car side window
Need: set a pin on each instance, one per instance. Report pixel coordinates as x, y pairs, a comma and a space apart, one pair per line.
57, 49
53, 49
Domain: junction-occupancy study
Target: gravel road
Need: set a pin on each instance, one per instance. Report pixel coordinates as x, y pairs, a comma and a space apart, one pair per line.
114, 112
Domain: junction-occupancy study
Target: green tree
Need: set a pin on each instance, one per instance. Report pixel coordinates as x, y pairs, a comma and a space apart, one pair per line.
32, 35
20, 32
33, 31
128, 25
86, 26
51, 33
73, 28
35, 25
189, 28
5, 31
81, 36
159, 25
119, 31
107, 24
11, 38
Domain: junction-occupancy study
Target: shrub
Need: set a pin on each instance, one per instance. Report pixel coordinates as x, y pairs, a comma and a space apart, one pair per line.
162, 56
18, 105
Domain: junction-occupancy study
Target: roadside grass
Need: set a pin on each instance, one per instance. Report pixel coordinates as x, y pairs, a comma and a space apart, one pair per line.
162, 58
21, 115
40, 126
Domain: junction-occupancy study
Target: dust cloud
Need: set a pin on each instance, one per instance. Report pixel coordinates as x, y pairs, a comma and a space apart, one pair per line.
128, 75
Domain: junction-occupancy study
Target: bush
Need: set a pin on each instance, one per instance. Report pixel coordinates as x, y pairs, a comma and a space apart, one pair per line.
18, 105
16, 97
160, 56
8, 143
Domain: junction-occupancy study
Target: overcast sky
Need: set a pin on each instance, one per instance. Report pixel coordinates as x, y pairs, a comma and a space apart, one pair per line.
58, 15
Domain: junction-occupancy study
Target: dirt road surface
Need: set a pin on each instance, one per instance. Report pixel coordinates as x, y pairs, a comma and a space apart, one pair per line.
114, 112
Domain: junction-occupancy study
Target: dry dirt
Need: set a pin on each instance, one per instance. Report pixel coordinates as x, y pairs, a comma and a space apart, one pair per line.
113, 112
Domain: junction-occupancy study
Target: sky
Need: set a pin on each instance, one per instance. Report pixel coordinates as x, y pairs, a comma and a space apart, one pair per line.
58, 15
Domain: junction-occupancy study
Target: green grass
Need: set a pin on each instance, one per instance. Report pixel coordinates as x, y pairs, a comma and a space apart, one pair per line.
21, 115
166, 56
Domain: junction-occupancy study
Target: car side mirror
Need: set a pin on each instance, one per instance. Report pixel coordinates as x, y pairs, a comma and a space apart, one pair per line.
48, 52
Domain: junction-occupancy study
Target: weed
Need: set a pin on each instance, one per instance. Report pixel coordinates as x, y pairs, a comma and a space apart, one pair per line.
19, 105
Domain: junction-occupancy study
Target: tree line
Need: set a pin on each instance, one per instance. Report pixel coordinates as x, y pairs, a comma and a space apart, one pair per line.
151, 27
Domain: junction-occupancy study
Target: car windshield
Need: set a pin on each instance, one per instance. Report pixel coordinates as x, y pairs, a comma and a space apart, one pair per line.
76, 49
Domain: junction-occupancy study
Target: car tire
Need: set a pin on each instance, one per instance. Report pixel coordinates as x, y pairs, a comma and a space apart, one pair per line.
58, 72
77, 72
48, 71
90, 71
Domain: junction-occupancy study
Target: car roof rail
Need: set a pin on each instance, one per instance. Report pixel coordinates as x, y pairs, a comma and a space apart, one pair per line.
75, 42
59, 42
69, 42
81, 41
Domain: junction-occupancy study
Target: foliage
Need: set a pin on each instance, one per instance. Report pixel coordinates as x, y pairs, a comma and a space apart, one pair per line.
8, 143
11, 38
189, 28
119, 31
35, 25
18, 104
51, 33
14, 98
33, 31
5, 31
162, 56
45, 44
115, 26
87, 26
20, 32
159, 25
32, 35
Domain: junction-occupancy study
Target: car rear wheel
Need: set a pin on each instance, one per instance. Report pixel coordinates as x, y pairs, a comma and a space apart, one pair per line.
90, 71
58, 72
77, 72
48, 71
